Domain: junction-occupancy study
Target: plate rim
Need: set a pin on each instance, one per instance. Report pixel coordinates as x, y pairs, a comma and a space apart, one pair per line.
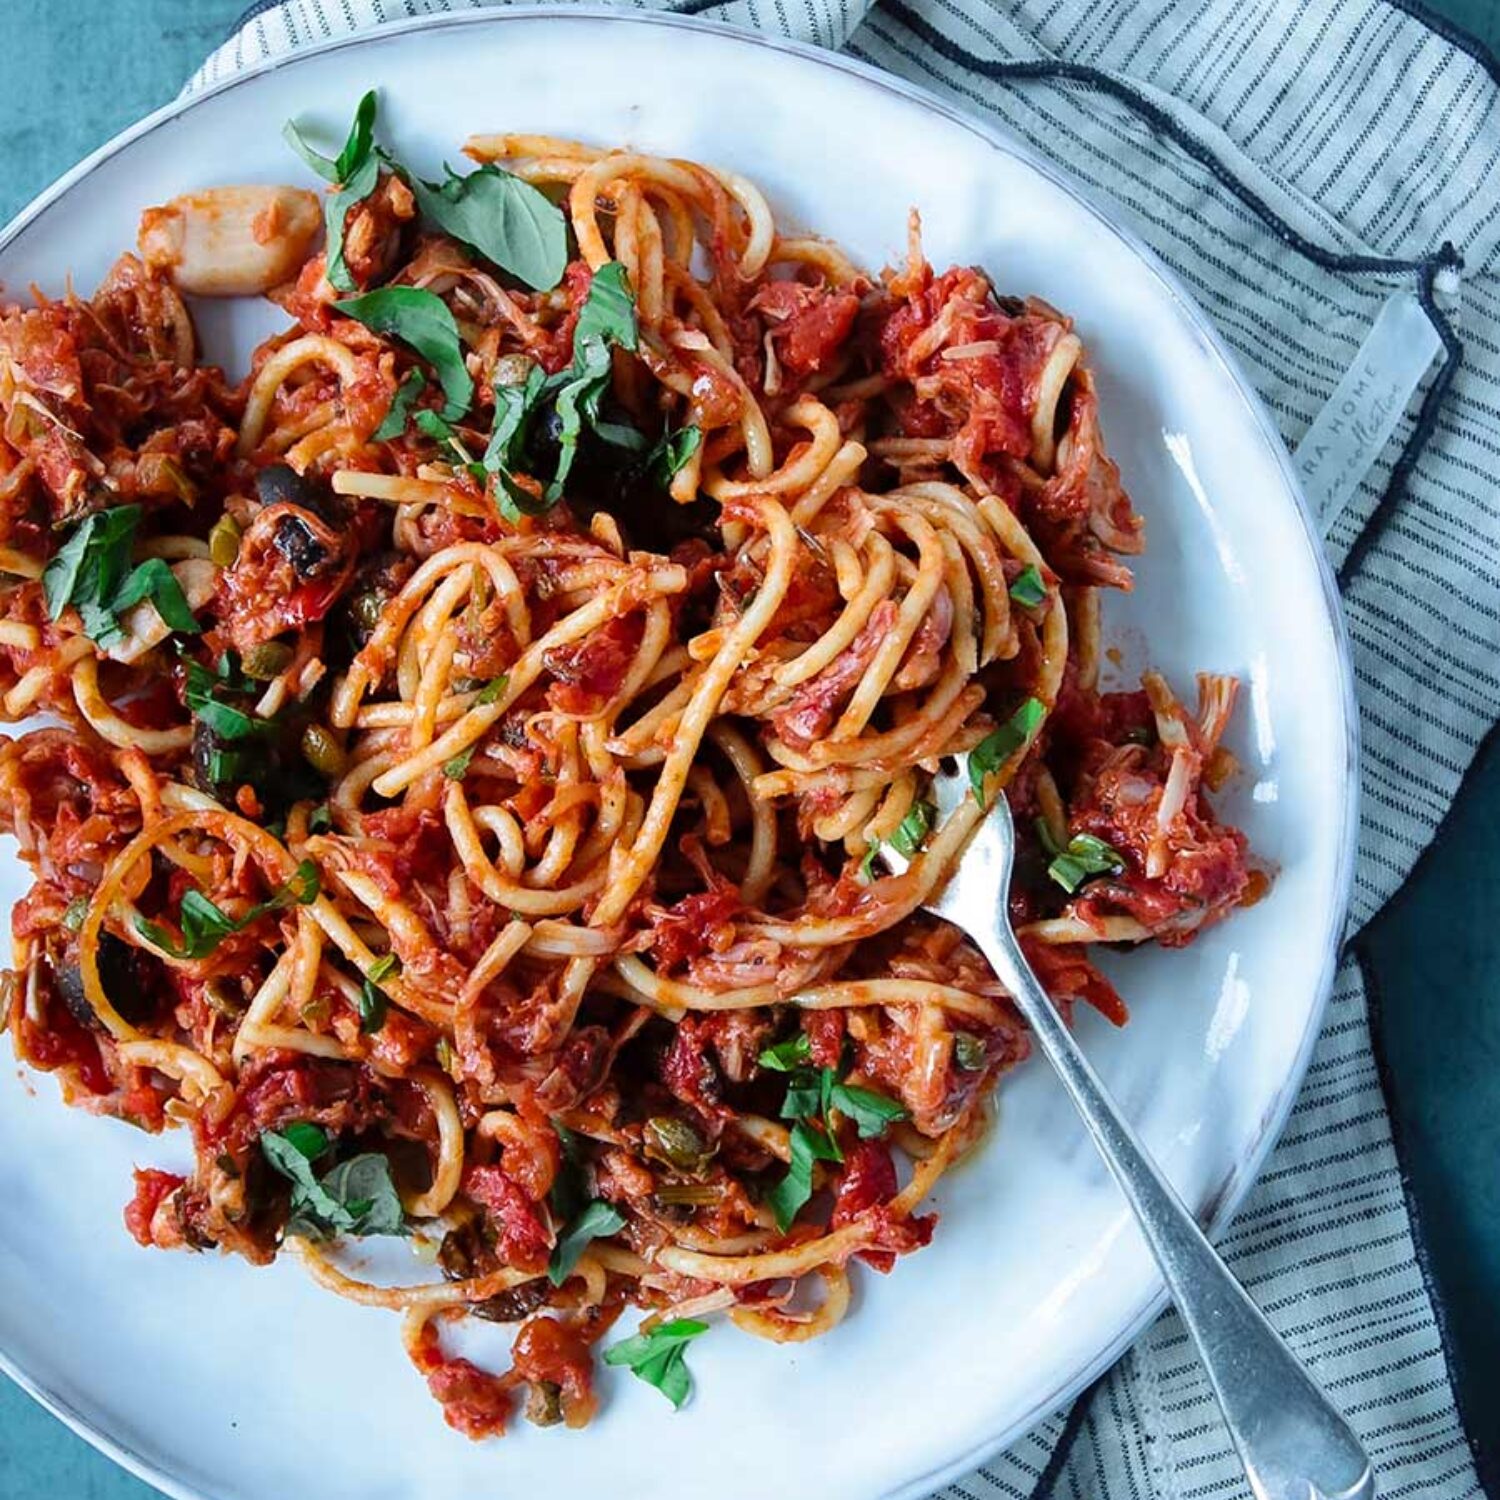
1227, 1198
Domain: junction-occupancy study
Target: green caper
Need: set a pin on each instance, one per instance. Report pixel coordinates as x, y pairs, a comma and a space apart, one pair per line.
366, 609
968, 1052
224, 542
322, 752
667, 1139
544, 1404
221, 996
512, 369
267, 660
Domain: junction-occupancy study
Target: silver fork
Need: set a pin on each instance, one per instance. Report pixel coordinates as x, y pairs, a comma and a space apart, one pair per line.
1292, 1441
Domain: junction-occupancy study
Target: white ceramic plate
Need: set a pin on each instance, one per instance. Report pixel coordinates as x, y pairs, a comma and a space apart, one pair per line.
212, 1379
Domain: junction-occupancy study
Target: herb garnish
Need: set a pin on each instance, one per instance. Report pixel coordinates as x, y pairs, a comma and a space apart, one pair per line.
373, 1001
1000, 744
226, 722
658, 1357
354, 172
393, 424
355, 1197
92, 572
1028, 590
605, 321
206, 925
421, 320
1083, 857
909, 836
670, 455
504, 218
583, 1218
812, 1094
596, 1220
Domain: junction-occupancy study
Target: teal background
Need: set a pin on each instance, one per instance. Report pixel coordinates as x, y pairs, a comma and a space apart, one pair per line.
1433, 955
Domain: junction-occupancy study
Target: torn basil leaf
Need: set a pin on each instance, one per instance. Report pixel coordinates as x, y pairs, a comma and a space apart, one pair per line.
357, 1196
92, 572
226, 722
421, 320
1028, 590
354, 173
373, 1003
788, 1055
509, 222
1000, 744
597, 1220
1085, 857
657, 1357
393, 424
205, 925
671, 454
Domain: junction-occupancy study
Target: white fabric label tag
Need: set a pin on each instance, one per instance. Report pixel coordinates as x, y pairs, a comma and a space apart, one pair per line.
1346, 437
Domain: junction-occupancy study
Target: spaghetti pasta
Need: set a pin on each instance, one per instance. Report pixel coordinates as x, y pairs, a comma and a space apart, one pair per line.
469, 741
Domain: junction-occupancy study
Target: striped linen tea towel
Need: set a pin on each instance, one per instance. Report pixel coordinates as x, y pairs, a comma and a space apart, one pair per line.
1296, 164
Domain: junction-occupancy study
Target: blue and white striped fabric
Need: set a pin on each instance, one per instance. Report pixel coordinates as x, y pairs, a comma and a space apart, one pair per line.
1296, 164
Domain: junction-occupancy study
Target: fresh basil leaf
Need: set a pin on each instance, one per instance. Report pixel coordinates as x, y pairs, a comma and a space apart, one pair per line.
68, 576
311, 1140
430, 424
226, 722
671, 453
569, 1193
92, 572
358, 144
1085, 857
913, 829
608, 312
458, 767
789, 1195
789, 1055
597, 1220
316, 1213
354, 173
1000, 744
804, 1094
516, 406
361, 139
336, 208
871, 1112
606, 319
579, 396
206, 925
364, 1187
509, 222
492, 690
1028, 590
155, 581
355, 1197
374, 1003
658, 1357
393, 424
421, 320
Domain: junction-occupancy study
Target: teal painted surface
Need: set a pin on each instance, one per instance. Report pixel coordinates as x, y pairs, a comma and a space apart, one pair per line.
1436, 952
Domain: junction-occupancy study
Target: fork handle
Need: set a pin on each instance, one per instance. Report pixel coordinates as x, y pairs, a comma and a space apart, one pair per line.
1292, 1441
